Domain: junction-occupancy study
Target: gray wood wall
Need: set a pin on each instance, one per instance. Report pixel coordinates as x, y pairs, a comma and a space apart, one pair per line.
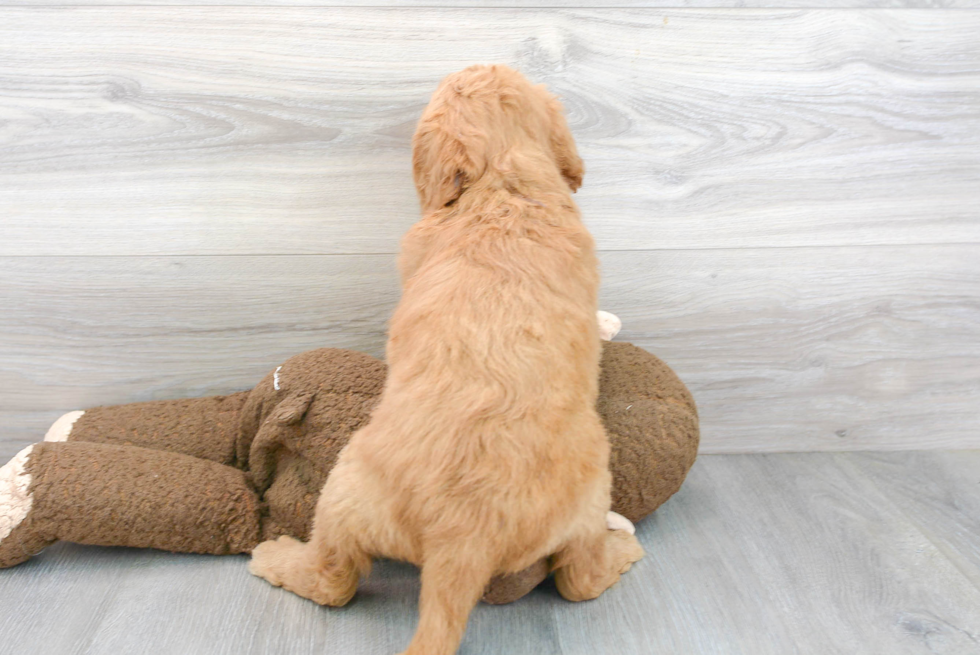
787, 201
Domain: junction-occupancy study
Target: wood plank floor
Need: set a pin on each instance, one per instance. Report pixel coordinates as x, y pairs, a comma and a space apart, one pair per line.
758, 554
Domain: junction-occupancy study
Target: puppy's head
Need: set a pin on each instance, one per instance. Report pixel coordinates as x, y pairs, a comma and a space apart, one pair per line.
476, 119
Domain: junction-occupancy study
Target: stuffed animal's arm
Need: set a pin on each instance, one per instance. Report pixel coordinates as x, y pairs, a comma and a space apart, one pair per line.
206, 428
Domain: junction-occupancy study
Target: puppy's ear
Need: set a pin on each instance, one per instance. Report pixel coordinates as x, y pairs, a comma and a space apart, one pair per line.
563, 146
443, 165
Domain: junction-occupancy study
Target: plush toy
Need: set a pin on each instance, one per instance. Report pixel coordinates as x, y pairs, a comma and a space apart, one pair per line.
219, 475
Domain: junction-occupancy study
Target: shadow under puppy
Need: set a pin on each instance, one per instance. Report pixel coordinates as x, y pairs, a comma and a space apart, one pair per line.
485, 452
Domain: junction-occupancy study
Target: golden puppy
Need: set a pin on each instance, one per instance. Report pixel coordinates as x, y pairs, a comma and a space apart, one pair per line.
485, 452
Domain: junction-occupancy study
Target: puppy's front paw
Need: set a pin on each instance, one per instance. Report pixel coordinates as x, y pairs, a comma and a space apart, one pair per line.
271, 559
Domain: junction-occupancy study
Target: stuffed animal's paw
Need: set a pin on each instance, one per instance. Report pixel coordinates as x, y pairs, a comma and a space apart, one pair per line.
609, 325
616, 521
18, 541
61, 429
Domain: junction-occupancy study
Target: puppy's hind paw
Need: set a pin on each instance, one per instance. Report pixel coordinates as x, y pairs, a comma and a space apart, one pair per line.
271, 558
296, 567
625, 550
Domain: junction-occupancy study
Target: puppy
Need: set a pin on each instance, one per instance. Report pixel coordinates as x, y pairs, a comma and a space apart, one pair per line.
485, 452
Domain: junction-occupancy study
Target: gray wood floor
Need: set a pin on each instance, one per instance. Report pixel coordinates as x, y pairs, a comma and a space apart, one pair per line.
758, 554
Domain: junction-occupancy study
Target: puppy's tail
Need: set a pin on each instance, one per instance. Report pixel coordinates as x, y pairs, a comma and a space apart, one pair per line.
452, 583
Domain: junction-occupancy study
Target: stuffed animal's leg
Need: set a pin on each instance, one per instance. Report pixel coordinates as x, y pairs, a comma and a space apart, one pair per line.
17, 543
206, 428
109, 495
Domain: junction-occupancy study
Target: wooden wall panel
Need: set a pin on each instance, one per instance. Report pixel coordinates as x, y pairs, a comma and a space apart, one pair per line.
787, 199
785, 349
813, 348
196, 130
514, 4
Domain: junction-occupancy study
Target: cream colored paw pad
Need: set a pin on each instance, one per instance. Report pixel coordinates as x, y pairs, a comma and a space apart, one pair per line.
15, 501
61, 428
616, 521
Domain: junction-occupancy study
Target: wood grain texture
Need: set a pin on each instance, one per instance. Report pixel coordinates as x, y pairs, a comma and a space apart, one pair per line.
536, 4
784, 349
143, 328
238, 130
813, 348
19, 429
940, 493
784, 554
756, 555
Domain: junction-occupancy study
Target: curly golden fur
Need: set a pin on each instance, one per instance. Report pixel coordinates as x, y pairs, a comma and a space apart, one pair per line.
486, 452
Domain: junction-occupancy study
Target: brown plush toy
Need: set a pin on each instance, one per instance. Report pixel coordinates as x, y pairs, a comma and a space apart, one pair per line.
219, 475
